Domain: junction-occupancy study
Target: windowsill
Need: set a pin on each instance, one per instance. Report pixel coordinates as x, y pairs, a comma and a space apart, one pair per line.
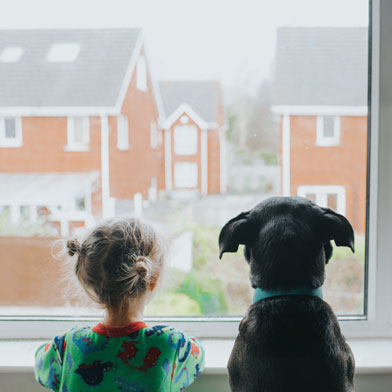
124, 148
76, 148
372, 356
11, 145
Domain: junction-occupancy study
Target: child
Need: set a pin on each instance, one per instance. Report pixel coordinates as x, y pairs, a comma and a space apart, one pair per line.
119, 264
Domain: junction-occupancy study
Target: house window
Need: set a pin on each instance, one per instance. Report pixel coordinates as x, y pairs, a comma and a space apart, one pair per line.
10, 132
122, 133
11, 54
154, 135
78, 133
185, 140
328, 131
330, 196
63, 52
141, 74
185, 175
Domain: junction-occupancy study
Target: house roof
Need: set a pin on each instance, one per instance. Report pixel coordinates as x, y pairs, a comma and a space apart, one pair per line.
321, 66
203, 97
94, 79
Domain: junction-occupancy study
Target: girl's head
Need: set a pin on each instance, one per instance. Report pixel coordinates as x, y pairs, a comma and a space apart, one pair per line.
118, 261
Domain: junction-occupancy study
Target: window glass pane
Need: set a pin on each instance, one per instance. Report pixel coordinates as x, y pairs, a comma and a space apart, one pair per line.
10, 128
233, 116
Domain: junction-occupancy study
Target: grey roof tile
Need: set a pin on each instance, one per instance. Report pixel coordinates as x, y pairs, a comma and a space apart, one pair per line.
93, 79
321, 66
203, 97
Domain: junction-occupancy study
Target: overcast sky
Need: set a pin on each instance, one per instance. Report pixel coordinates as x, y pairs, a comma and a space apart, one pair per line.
229, 40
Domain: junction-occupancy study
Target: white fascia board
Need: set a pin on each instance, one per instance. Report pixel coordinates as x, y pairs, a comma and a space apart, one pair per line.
320, 110
129, 72
57, 111
185, 108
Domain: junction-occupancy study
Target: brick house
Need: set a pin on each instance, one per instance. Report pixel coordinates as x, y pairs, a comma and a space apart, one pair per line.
79, 124
194, 136
321, 99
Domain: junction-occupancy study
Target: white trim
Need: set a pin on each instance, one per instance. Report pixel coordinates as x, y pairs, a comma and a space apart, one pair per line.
322, 192
57, 111
204, 162
168, 160
71, 144
15, 142
308, 110
286, 155
105, 181
185, 108
129, 72
327, 141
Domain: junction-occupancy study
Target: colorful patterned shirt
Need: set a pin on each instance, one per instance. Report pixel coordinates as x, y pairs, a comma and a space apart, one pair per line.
133, 358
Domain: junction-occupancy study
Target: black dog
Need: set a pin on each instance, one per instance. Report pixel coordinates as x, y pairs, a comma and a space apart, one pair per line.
289, 343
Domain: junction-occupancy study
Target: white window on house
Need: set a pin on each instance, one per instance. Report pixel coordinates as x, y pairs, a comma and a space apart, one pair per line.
10, 132
185, 140
122, 133
78, 134
328, 131
141, 74
154, 134
185, 175
65, 52
331, 196
11, 54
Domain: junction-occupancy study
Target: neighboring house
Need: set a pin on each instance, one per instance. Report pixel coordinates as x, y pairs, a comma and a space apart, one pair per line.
321, 97
79, 124
194, 136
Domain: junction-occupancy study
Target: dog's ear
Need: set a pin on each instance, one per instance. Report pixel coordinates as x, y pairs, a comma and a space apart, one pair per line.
336, 227
239, 230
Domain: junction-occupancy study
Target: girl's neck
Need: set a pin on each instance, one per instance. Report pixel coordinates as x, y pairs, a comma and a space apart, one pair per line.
125, 315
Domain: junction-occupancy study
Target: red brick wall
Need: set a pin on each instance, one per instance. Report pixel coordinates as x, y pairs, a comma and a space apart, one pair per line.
337, 165
131, 170
44, 139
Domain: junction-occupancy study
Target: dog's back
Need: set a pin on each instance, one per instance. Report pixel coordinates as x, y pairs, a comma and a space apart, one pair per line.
289, 344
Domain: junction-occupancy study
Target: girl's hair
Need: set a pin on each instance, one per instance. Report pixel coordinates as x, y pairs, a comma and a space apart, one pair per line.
117, 260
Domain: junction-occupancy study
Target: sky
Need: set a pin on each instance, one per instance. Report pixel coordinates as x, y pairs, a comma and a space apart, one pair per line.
228, 40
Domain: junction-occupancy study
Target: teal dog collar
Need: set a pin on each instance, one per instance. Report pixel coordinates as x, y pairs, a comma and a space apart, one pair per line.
261, 294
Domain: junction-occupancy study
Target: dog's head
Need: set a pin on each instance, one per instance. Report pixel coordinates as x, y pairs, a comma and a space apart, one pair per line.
287, 241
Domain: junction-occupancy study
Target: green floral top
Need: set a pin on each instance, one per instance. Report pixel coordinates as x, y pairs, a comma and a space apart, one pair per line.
131, 358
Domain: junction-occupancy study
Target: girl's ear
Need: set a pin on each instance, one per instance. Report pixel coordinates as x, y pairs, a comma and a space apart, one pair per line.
153, 283
334, 226
239, 230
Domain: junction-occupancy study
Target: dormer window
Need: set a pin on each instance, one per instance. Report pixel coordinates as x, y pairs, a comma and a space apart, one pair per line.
63, 53
11, 54
328, 131
10, 132
141, 74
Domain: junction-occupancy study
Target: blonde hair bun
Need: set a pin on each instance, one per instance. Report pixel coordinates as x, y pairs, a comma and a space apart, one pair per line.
142, 267
73, 247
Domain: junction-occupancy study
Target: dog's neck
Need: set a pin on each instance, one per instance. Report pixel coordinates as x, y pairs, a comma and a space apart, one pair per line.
262, 294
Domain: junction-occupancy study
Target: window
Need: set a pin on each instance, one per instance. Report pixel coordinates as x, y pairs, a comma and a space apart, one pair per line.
11, 54
78, 133
154, 137
185, 175
63, 53
330, 196
10, 132
122, 133
141, 74
328, 131
185, 139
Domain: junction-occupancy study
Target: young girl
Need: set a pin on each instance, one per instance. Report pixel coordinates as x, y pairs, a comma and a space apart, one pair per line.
119, 265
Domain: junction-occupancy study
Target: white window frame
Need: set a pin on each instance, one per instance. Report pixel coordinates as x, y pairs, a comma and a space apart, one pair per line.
122, 130
11, 142
322, 192
328, 141
189, 182
379, 317
179, 137
154, 141
71, 144
141, 74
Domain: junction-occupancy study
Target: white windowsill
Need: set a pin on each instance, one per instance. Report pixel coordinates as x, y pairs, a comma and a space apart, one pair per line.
76, 148
372, 356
